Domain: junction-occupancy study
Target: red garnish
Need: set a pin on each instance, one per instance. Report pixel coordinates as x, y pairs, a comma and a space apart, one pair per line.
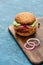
25, 27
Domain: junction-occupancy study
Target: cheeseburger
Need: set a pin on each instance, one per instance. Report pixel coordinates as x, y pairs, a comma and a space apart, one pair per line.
25, 24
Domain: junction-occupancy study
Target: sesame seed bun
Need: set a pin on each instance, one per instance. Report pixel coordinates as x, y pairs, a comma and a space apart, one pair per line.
25, 18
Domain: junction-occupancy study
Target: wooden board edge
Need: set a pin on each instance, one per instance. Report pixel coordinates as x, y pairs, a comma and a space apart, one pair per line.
23, 50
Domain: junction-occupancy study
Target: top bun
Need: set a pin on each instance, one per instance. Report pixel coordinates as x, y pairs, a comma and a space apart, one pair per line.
25, 18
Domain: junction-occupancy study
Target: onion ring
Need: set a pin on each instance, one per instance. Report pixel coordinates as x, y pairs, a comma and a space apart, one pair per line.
25, 27
32, 46
21, 27
34, 40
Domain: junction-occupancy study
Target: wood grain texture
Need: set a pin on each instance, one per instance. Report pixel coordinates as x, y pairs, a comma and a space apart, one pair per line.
36, 55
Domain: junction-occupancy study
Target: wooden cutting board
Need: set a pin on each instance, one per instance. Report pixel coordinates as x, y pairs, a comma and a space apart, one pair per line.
36, 55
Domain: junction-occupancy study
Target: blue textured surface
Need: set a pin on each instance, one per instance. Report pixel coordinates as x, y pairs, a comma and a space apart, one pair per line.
10, 53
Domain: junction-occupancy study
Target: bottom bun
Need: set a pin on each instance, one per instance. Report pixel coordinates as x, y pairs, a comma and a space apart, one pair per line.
27, 33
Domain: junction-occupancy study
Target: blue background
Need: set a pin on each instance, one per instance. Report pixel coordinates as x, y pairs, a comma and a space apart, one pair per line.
10, 53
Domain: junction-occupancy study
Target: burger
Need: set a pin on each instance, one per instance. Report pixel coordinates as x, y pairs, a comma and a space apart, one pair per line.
25, 24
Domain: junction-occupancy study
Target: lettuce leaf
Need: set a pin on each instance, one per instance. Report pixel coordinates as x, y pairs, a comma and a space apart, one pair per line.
16, 24
33, 24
